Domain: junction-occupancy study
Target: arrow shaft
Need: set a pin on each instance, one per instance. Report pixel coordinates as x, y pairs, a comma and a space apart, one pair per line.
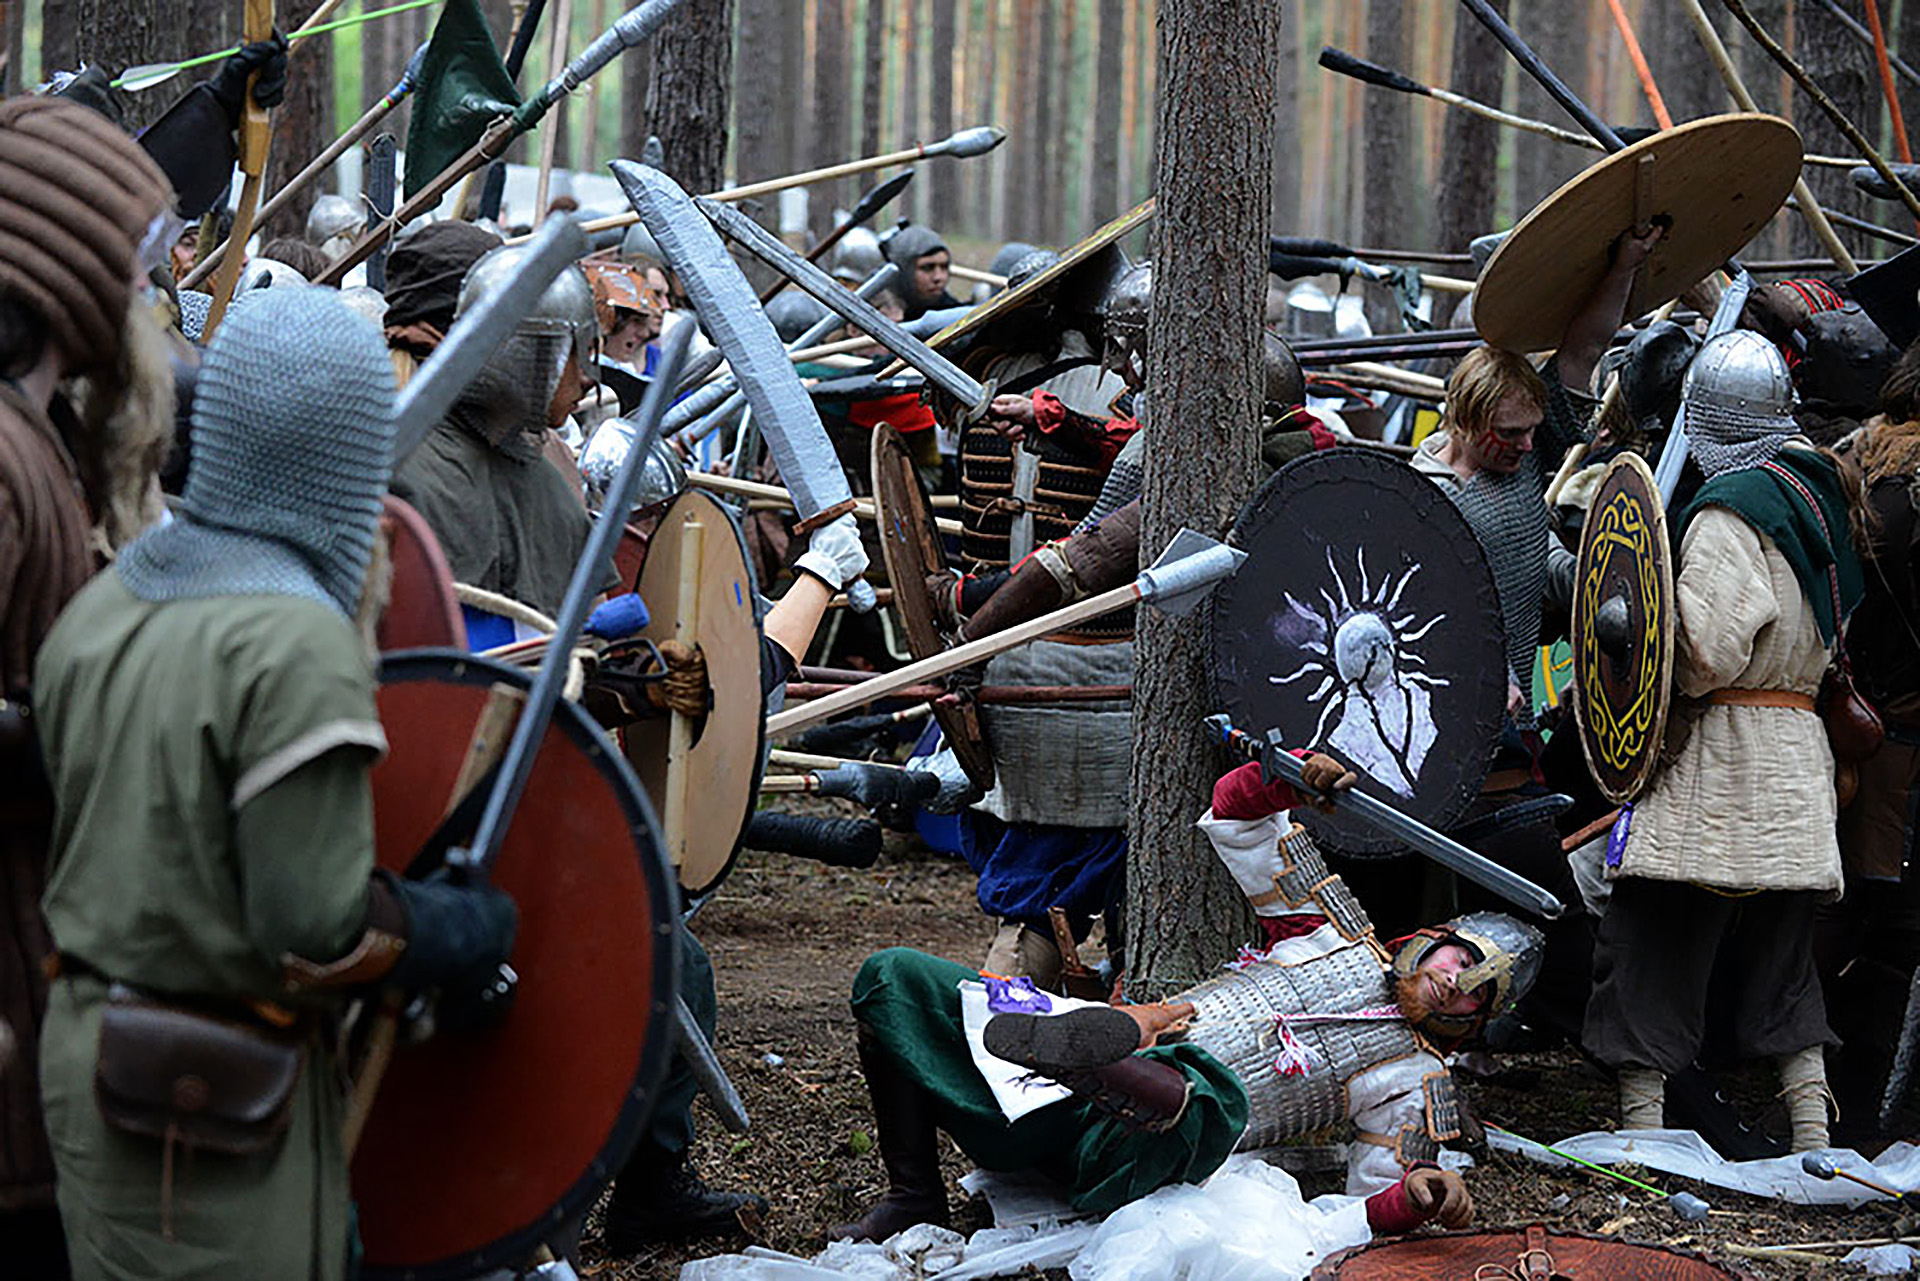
314, 26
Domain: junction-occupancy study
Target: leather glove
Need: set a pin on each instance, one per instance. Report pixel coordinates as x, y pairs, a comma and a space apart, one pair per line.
1243, 794
1423, 1193
229, 84
458, 936
835, 554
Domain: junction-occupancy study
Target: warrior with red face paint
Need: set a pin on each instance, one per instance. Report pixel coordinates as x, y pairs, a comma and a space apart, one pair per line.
1319, 1022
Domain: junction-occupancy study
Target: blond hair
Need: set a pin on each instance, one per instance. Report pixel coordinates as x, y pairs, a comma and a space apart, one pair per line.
1484, 377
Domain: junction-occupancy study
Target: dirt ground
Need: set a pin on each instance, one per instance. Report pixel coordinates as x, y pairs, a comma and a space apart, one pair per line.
786, 936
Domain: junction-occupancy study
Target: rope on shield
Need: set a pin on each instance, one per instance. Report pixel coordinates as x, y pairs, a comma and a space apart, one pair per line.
685, 688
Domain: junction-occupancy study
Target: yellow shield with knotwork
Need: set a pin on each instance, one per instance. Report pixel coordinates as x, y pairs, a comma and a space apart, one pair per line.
1623, 607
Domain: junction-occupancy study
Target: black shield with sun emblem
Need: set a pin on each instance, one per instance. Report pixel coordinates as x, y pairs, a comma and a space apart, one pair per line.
1365, 624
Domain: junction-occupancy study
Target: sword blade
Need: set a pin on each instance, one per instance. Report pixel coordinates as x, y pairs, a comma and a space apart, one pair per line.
940, 371
1482, 871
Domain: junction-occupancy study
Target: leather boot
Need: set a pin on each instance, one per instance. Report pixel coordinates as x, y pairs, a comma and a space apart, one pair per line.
1090, 1051
909, 1149
659, 1201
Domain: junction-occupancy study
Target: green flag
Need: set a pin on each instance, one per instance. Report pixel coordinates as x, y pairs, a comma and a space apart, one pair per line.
464, 87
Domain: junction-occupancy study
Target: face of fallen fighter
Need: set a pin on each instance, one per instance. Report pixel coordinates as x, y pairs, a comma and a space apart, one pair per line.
1432, 988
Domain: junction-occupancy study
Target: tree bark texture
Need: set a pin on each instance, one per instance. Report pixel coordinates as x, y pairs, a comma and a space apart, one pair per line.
117, 34
1283, 211
761, 96
636, 73
873, 77
1689, 84
986, 78
1469, 148
1024, 177
1049, 76
1560, 38
687, 94
1842, 66
911, 127
830, 125
943, 182
59, 37
1215, 155
1108, 81
302, 124
13, 18
1389, 205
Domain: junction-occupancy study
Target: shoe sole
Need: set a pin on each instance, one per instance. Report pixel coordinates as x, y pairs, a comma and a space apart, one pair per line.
1072, 1042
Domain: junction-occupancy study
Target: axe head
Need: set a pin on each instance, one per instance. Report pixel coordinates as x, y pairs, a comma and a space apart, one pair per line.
1187, 571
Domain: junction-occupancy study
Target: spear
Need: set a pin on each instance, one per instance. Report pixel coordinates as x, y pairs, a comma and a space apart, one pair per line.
402, 88
149, 74
877, 198
632, 28
255, 136
966, 143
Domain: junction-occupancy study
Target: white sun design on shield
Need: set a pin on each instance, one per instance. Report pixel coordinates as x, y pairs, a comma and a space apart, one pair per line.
1373, 691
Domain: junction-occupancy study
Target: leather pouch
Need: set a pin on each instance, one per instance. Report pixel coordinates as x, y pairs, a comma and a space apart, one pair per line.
192, 1079
1854, 729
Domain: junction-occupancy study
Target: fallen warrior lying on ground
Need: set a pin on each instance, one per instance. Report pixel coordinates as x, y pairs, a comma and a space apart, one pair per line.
1324, 1025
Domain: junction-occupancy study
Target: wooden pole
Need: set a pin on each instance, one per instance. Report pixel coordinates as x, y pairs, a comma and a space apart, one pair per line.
550, 137
256, 135
733, 485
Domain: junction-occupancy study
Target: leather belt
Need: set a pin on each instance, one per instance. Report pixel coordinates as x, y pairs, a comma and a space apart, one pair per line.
1760, 698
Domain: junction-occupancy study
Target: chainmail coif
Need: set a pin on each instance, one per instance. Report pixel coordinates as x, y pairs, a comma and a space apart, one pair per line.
293, 425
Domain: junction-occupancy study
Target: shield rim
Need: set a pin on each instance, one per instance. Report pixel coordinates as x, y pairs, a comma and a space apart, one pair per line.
891, 468
636, 1108
1334, 1266
739, 548
404, 516
1351, 840
1656, 735
1549, 263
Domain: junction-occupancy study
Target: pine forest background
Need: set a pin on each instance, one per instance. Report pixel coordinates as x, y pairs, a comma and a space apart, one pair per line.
1072, 82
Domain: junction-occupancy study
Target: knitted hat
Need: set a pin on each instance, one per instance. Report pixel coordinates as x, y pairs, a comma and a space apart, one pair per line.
77, 199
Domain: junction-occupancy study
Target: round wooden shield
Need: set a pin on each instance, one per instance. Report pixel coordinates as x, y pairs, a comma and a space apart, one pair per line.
480, 1146
421, 612
1364, 624
1620, 698
910, 545
1716, 181
1525, 1252
698, 587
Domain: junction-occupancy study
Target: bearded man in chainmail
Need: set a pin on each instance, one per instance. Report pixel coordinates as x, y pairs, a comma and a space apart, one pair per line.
510, 519
86, 404
1322, 1024
212, 894
1767, 573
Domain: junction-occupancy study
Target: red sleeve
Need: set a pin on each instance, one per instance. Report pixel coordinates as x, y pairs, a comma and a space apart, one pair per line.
1391, 1212
1275, 929
1241, 793
1105, 437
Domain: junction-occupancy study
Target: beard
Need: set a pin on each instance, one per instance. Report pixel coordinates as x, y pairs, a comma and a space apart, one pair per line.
1410, 994
125, 424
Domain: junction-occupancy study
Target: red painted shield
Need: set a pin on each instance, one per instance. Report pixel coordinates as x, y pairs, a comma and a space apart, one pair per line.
421, 610
480, 1146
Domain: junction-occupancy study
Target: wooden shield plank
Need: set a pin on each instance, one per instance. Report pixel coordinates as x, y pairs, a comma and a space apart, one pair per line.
421, 612
698, 587
1716, 181
910, 546
1365, 624
1621, 698
478, 1146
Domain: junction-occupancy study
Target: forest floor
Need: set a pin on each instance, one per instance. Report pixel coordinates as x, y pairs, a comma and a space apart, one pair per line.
786, 937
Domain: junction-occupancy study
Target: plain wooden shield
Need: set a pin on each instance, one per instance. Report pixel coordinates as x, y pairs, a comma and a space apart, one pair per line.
1620, 699
704, 776
910, 545
480, 1146
421, 612
1714, 181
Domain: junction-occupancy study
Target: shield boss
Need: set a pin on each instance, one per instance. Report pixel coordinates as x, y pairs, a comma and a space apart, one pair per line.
1365, 624
1623, 630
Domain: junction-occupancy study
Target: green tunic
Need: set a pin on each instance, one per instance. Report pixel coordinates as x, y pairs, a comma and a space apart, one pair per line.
506, 518
209, 762
910, 1001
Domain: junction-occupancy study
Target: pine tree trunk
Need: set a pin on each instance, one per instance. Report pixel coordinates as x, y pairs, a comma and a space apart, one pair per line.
911, 127
1283, 200
13, 17
1905, 36
1390, 173
59, 32
302, 123
123, 33
1108, 76
1215, 154
636, 72
688, 92
1043, 179
1469, 148
943, 182
1843, 67
761, 97
982, 172
1688, 83
830, 125
1560, 39
873, 77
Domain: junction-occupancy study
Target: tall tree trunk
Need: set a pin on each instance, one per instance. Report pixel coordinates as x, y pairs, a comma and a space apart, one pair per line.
761, 96
873, 77
1283, 198
1469, 148
1024, 179
1049, 75
687, 95
1905, 36
1184, 913
59, 37
1843, 67
636, 72
1390, 174
913, 202
1688, 83
13, 17
943, 182
982, 172
830, 131
1560, 39
1108, 76
123, 33
302, 124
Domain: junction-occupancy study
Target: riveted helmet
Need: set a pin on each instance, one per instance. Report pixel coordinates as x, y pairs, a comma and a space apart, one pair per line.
1123, 319
1507, 955
564, 310
857, 256
1739, 402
